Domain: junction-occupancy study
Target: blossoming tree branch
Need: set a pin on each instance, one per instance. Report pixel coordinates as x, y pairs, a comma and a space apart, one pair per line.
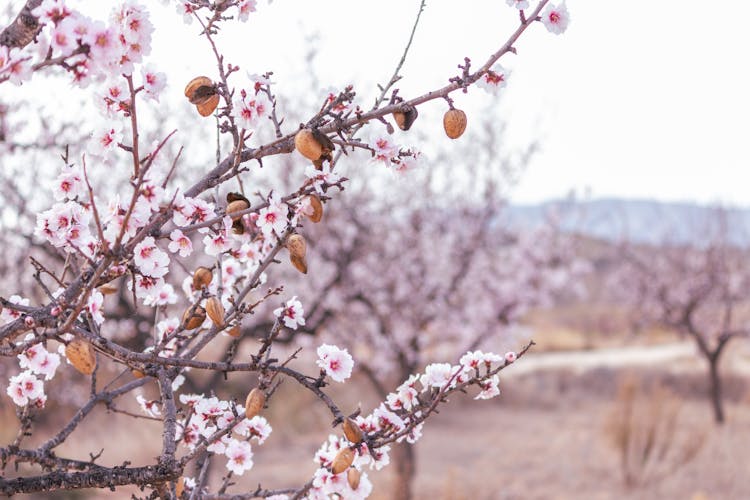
137, 238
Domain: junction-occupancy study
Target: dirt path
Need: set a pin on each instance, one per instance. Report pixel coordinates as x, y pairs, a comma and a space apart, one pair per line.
613, 358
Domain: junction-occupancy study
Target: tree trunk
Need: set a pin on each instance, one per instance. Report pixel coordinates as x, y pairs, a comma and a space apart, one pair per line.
715, 389
404, 460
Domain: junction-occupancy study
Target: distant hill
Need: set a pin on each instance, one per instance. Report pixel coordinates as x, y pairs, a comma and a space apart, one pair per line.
642, 221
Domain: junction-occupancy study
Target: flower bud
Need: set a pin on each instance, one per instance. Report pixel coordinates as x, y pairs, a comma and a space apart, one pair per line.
215, 311
235, 331
254, 402
343, 460
81, 355
454, 123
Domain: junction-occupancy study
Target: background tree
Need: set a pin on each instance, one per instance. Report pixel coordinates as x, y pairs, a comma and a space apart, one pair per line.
699, 290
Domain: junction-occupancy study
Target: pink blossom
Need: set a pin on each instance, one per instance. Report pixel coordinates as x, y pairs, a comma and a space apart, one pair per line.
69, 183
149, 407
18, 68
64, 40
256, 427
556, 18
494, 79
219, 242
323, 177
147, 286
518, 4
246, 7
192, 211
153, 81
9, 314
337, 363
161, 295
489, 388
386, 419
94, 305
150, 259
180, 243
38, 360
473, 360
510, 356
407, 162
437, 375
240, 455
103, 44
405, 395
51, 11
291, 314
249, 109
273, 218
186, 9
105, 140
384, 150
25, 388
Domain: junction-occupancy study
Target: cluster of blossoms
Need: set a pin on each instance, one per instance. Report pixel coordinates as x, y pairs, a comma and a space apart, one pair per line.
398, 418
207, 416
25, 388
188, 9
393, 156
555, 17
92, 49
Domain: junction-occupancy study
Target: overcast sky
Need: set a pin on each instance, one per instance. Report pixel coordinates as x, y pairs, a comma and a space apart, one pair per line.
636, 99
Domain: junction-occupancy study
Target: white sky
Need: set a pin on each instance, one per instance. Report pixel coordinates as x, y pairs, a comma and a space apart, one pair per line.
636, 99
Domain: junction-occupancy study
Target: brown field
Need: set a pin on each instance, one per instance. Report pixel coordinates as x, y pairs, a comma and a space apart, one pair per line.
546, 437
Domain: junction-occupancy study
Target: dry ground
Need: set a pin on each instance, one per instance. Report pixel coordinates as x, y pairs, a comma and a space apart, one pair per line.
543, 438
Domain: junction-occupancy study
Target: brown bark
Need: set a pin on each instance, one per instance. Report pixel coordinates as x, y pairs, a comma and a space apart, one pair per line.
405, 468
715, 389
24, 27
97, 478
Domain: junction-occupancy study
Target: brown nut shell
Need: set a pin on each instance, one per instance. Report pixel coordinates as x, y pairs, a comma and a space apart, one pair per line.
254, 403
208, 106
215, 311
352, 477
194, 320
307, 145
81, 355
202, 278
454, 123
342, 461
236, 206
193, 86
316, 206
179, 486
299, 263
405, 117
352, 431
297, 245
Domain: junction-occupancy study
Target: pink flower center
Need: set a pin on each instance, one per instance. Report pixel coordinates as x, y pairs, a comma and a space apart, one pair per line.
554, 17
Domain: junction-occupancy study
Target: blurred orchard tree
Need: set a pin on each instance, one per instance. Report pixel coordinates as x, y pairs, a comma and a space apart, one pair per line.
699, 289
146, 252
